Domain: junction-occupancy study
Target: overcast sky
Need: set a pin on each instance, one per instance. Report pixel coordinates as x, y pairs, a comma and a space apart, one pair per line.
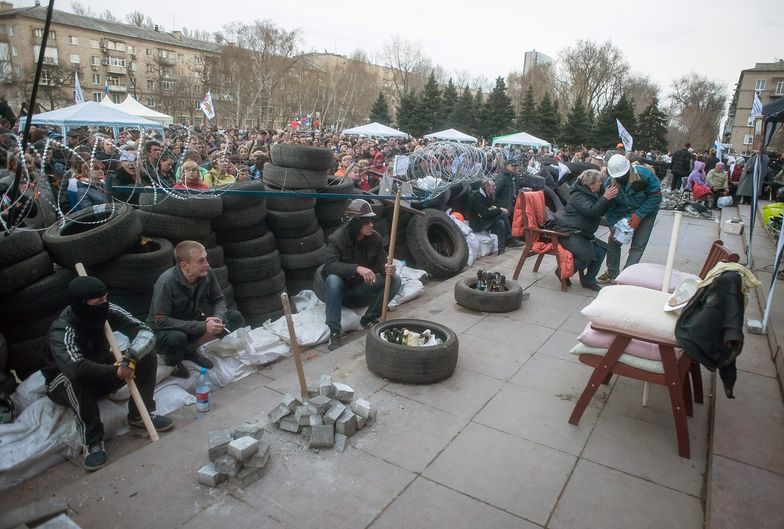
664, 39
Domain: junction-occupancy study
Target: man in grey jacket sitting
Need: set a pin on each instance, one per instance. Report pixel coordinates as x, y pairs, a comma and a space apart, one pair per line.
188, 309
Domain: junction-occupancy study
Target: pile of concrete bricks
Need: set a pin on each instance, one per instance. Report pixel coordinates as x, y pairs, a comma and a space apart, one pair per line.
328, 418
238, 455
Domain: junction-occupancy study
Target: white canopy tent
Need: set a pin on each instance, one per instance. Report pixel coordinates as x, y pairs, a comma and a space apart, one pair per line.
375, 130
521, 138
450, 135
92, 114
132, 106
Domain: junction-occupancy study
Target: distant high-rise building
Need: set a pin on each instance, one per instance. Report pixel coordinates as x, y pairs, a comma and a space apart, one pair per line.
532, 58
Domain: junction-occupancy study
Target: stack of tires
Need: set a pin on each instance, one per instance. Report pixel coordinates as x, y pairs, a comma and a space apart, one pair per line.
166, 221
330, 212
298, 235
252, 261
32, 295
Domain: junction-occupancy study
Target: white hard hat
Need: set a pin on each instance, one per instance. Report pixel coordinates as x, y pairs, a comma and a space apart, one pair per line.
617, 165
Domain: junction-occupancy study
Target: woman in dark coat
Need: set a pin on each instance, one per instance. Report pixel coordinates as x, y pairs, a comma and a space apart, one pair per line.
580, 219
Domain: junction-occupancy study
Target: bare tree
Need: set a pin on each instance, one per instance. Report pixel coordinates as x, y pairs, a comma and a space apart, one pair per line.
696, 107
411, 67
108, 16
79, 8
139, 19
594, 73
641, 90
542, 80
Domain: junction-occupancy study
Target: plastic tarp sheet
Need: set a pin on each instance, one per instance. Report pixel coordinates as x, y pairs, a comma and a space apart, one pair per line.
91, 114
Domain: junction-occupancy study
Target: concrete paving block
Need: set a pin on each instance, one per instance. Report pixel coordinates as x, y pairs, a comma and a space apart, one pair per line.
289, 424
360, 422
315, 420
302, 414
321, 403
361, 407
255, 430
261, 458
334, 412
227, 465
210, 477
343, 392
280, 411
322, 436
340, 442
313, 390
218, 443
325, 386
246, 476
347, 423
372, 417
62, 521
243, 448
290, 401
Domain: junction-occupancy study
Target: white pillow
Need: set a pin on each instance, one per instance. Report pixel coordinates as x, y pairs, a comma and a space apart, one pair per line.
651, 275
632, 310
644, 364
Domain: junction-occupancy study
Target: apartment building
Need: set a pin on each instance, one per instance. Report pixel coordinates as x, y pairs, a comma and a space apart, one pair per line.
765, 79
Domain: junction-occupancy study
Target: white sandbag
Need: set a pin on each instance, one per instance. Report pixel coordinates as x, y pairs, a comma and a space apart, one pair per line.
29, 391
488, 243
124, 393
409, 289
171, 398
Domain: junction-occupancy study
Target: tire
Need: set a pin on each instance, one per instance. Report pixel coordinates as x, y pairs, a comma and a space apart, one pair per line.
304, 260
290, 233
228, 295
337, 185
138, 268
439, 202
173, 228
247, 269
411, 365
318, 283
197, 208
211, 241
215, 256
222, 275
19, 245
25, 273
302, 273
239, 217
437, 244
329, 230
305, 244
259, 305
296, 285
331, 211
467, 296
244, 233
290, 219
265, 287
243, 201
75, 242
293, 178
42, 297
136, 302
301, 157
291, 203
19, 331
3, 352
250, 248
552, 201
25, 358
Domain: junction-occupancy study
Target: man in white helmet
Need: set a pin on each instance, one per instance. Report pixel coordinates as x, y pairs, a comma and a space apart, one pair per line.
638, 199
355, 270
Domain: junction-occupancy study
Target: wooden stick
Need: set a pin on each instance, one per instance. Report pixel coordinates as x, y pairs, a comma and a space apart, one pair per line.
391, 255
135, 395
303, 386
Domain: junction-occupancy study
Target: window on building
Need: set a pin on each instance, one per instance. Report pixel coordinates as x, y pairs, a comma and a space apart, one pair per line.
18, 71
11, 31
73, 39
112, 80
74, 58
95, 61
780, 88
149, 52
38, 32
197, 59
115, 45
167, 84
46, 77
180, 57
133, 66
151, 101
117, 98
117, 61
50, 54
760, 84
5, 62
151, 68
52, 35
747, 139
150, 84
97, 96
131, 49
94, 44
14, 50
96, 79
163, 54
3, 30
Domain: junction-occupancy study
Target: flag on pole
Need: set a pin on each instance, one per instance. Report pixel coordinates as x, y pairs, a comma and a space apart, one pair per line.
78, 96
207, 106
718, 148
106, 88
625, 137
756, 110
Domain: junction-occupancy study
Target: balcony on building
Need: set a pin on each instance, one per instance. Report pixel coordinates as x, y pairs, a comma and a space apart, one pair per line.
118, 88
117, 69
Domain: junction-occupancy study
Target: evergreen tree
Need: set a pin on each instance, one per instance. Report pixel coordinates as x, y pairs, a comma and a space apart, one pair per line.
448, 103
624, 112
606, 135
406, 112
590, 131
526, 119
498, 116
380, 111
478, 111
576, 130
428, 109
548, 119
652, 128
463, 114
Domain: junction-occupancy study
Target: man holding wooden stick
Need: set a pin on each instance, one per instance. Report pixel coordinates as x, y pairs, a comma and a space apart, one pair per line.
80, 368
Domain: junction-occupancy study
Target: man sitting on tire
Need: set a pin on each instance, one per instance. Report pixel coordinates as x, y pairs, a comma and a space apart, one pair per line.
188, 309
484, 215
79, 367
355, 271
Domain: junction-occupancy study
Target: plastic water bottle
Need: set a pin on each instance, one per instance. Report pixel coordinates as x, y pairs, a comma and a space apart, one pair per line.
203, 387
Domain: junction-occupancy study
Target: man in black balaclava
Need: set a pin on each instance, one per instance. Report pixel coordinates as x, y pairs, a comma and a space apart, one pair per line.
355, 270
80, 368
